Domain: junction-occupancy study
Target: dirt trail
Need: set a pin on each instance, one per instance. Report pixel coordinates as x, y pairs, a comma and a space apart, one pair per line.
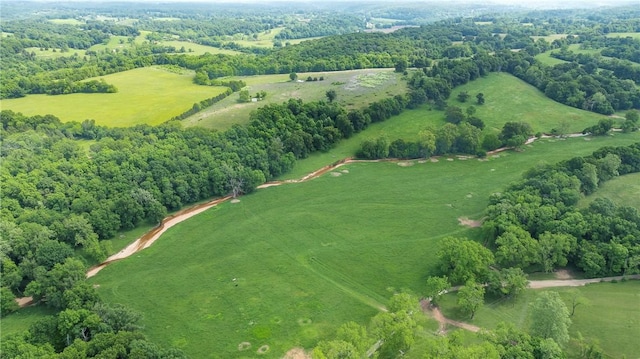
148, 238
435, 312
550, 283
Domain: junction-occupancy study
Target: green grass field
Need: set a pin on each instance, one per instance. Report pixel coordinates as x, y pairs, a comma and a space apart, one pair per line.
528, 105
546, 59
147, 95
623, 190
20, 321
511, 99
635, 35
287, 265
611, 317
50, 54
355, 88
66, 21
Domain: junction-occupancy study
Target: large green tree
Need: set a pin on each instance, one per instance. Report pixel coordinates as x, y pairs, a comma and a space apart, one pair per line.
462, 259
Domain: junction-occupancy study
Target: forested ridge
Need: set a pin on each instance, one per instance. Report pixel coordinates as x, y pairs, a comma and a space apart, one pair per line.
68, 186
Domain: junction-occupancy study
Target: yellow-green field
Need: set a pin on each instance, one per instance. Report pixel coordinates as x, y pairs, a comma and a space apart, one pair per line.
635, 35
147, 95
198, 49
51, 54
550, 38
66, 21
355, 88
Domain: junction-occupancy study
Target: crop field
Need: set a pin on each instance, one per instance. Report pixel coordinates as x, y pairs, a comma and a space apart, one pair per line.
355, 88
149, 95
623, 190
598, 320
287, 265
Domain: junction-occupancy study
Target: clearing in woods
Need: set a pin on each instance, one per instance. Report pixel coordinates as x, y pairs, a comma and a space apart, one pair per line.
150, 95
234, 271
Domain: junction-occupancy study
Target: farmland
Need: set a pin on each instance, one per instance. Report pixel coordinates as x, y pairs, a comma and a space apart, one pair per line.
598, 320
354, 89
149, 95
394, 224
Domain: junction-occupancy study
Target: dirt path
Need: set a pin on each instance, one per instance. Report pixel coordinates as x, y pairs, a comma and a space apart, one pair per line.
435, 312
150, 237
550, 283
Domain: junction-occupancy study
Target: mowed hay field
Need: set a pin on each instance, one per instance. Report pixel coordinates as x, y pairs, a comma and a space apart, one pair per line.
355, 89
611, 316
287, 265
150, 95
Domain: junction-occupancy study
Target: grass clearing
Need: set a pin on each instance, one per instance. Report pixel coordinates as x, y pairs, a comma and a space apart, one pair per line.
355, 89
550, 38
197, 49
611, 325
623, 190
511, 99
66, 21
287, 265
635, 35
507, 99
149, 95
546, 59
54, 53
20, 321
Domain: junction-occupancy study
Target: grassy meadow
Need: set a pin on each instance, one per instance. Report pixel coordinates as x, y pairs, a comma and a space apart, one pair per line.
528, 105
287, 265
149, 95
511, 99
599, 320
355, 88
623, 190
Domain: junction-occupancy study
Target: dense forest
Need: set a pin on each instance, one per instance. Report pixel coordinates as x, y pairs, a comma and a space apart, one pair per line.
68, 186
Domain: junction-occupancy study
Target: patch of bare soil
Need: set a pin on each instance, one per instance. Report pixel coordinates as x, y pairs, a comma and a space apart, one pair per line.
24, 301
464, 221
336, 174
563, 274
263, 349
434, 160
235, 200
406, 164
244, 346
296, 353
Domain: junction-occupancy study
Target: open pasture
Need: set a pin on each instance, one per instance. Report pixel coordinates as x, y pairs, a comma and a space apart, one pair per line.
355, 88
511, 99
54, 53
600, 320
287, 265
623, 190
507, 99
635, 35
149, 95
